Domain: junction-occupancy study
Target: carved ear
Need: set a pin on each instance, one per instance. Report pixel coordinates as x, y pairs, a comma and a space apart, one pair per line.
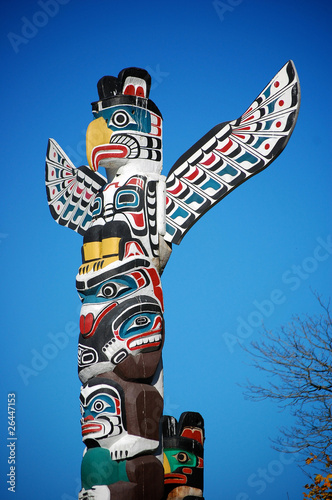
134, 81
189, 429
107, 87
191, 425
168, 425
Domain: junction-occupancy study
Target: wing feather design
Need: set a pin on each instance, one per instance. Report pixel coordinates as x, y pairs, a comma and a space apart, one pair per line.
231, 153
70, 191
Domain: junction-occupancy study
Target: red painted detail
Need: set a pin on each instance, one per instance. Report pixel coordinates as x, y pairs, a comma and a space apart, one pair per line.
79, 190
192, 176
140, 92
117, 406
58, 208
250, 118
136, 181
99, 318
227, 147
53, 192
278, 124
209, 160
175, 478
86, 323
132, 248
267, 146
68, 173
187, 471
156, 286
193, 433
138, 277
54, 154
248, 111
88, 195
200, 464
129, 90
52, 173
89, 417
276, 84
240, 136
281, 102
156, 125
91, 428
112, 184
177, 189
167, 200
105, 151
139, 219
244, 128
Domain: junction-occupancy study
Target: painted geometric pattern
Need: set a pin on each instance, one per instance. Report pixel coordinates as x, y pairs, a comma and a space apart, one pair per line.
70, 191
231, 153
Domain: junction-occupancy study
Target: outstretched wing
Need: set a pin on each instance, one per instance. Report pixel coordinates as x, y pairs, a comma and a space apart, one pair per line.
231, 153
70, 191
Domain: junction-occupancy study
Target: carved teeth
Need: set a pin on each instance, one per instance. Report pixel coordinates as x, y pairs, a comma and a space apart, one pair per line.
145, 340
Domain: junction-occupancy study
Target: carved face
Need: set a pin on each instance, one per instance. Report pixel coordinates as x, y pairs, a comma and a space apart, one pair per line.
125, 134
121, 316
183, 471
183, 455
124, 223
101, 409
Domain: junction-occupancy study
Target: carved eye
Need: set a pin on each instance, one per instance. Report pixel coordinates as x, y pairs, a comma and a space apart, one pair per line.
121, 119
139, 322
99, 405
182, 457
109, 290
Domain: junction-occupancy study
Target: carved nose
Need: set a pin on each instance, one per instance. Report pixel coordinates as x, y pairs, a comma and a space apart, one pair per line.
86, 323
89, 417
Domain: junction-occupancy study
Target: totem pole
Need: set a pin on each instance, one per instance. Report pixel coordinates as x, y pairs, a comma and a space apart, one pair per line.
129, 221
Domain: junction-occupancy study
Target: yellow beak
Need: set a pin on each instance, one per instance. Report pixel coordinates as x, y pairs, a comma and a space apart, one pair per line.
167, 467
97, 133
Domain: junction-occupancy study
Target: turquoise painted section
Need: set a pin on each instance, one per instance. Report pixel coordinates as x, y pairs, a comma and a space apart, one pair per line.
98, 468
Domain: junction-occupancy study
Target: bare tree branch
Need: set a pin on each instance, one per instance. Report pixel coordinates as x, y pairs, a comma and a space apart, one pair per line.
297, 360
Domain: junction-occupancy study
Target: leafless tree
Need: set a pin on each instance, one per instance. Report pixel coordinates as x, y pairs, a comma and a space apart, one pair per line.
298, 361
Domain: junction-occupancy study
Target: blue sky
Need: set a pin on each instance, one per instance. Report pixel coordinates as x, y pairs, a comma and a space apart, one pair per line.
253, 255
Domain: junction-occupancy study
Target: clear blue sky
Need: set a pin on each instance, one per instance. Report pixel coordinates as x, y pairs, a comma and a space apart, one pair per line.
257, 249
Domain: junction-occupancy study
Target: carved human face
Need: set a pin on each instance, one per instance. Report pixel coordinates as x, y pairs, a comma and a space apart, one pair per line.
101, 409
121, 316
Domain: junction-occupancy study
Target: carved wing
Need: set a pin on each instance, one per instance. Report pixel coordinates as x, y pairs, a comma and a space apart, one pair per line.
231, 153
70, 191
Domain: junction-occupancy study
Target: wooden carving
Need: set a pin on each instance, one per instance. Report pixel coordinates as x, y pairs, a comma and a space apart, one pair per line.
129, 221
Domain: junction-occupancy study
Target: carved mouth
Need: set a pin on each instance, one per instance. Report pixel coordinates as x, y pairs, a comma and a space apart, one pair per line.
91, 428
144, 341
121, 146
127, 142
140, 146
175, 478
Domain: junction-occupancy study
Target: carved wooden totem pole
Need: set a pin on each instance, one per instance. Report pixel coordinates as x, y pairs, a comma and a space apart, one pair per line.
129, 221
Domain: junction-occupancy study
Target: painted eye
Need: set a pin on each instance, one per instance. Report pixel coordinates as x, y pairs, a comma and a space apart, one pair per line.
99, 405
109, 290
182, 457
120, 119
139, 322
